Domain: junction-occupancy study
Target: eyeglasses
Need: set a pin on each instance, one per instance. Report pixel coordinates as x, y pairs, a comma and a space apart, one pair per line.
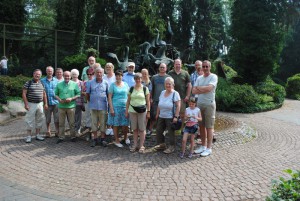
89, 74
205, 66
161, 67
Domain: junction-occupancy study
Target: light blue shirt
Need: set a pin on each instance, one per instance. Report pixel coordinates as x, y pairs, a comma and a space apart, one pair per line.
50, 89
119, 94
129, 79
98, 94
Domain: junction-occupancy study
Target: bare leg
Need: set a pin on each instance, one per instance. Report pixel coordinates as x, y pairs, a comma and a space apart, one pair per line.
209, 137
203, 135
135, 137
125, 131
142, 138
183, 144
116, 134
56, 127
192, 143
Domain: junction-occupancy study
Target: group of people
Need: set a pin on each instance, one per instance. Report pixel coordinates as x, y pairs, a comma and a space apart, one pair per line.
120, 101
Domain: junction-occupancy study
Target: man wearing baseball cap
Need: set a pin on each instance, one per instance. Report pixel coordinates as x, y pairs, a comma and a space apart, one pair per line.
128, 77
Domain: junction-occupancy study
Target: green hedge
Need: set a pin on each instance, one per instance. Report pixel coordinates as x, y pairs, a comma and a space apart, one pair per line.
245, 98
12, 86
293, 87
78, 61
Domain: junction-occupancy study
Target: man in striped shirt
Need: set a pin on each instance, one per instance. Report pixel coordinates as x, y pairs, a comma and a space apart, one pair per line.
35, 98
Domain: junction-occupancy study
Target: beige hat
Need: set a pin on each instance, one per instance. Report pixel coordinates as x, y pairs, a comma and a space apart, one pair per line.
131, 64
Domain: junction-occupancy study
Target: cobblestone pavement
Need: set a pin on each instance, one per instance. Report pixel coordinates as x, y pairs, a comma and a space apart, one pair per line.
253, 150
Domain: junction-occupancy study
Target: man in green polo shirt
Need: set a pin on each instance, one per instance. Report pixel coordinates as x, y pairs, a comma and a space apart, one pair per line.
183, 85
66, 93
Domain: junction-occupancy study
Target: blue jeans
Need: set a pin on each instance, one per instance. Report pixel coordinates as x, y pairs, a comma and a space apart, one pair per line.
4, 71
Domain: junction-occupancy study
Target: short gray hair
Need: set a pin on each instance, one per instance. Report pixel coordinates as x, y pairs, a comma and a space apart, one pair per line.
99, 69
171, 80
74, 72
138, 75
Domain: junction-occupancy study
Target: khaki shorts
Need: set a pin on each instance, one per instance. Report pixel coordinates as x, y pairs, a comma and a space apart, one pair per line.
138, 121
99, 116
48, 113
208, 113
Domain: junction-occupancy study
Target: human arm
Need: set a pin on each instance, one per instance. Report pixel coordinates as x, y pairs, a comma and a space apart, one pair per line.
45, 100
24, 92
111, 108
127, 106
188, 92
148, 105
176, 116
202, 89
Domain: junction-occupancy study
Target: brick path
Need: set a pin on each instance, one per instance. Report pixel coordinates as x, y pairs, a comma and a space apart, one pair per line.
242, 166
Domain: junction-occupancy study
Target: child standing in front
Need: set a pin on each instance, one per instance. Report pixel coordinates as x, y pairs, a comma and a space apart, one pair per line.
192, 117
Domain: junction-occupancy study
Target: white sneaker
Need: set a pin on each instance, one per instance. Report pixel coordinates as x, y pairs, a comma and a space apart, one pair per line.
28, 139
207, 152
127, 141
118, 145
39, 137
109, 131
200, 150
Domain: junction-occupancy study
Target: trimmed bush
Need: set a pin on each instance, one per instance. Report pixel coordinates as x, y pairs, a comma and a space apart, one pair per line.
286, 189
293, 87
269, 87
248, 99
12, 86
78, 61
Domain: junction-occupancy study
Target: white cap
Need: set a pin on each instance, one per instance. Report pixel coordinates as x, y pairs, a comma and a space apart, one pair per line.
131, 64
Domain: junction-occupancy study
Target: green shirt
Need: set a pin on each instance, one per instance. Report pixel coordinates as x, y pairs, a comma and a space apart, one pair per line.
137, 98
67, 90
84, 76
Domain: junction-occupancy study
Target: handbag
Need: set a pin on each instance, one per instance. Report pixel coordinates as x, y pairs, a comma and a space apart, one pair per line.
178, 124
139, 109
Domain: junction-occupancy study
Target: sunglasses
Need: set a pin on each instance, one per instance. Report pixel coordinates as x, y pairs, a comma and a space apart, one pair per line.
89, 74
205, 66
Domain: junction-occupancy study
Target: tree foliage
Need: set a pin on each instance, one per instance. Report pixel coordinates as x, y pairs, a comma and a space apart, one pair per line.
258, 34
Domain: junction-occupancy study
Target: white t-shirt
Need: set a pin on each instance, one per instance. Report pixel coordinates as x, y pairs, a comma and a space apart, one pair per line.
110, 80
165, 104
3, 63
207, 98
192, 113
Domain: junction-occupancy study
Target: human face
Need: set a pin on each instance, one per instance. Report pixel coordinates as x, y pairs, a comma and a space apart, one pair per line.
200, 71
119, 78
37, 75
168, 86
206, 67
197, 65
130, 69
138, 80
177, 65
59, 74
144, 73
108, 69
192, 104
99, 75
49, 72
91, 61
67, 76
90, 75
162, 68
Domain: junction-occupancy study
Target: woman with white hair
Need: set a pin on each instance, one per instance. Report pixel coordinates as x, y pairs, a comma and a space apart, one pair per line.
79, 101
110, 75
167, 113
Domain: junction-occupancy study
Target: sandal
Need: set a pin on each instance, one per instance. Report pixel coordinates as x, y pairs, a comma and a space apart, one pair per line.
142, 150
133, 149
48, 134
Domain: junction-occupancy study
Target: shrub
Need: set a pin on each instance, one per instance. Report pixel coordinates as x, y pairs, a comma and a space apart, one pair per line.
78, 61
286, 189
293, 87
269, 87
12, 86
246, 98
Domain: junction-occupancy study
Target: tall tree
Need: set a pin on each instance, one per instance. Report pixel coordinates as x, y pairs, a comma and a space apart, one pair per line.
258, 38
209, 29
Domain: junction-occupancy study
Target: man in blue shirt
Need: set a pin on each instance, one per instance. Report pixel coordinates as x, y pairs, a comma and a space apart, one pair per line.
128, 77
96, 92
198, 72
50, 83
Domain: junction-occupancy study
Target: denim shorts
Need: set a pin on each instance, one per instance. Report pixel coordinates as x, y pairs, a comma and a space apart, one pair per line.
191, 129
